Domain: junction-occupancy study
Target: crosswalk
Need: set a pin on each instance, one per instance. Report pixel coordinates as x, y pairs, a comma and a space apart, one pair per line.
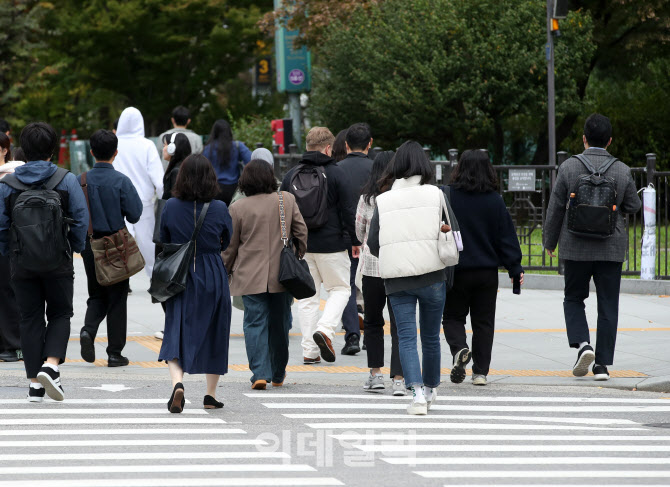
137, 443
496, 440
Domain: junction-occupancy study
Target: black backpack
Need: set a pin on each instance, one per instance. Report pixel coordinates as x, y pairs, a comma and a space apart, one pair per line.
309, 185
592, 210
38, 234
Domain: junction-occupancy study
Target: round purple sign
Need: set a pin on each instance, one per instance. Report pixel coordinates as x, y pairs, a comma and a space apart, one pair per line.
296, 77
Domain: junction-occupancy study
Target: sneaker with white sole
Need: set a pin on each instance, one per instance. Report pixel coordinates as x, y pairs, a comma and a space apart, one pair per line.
417, 407
399, 388
461, 359
374, 382
478, 380
585, 358
431, 397
159, 335
600, 372
50, 380
35, 395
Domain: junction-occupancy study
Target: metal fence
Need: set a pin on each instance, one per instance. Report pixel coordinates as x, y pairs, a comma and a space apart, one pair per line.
526, 191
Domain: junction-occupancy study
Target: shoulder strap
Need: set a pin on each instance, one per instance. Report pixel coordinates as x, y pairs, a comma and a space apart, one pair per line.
56, 178
282, 218
201, 219
13, 182
587, 163
608, 163
84, 186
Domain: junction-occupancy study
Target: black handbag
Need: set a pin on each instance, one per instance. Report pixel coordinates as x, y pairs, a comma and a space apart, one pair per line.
158, 211
171, 268
294, 272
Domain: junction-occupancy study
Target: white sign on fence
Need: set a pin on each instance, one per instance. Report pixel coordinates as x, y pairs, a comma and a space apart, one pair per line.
648, 264
521, 180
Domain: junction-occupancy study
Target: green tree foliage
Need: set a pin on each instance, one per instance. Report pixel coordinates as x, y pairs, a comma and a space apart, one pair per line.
449, 73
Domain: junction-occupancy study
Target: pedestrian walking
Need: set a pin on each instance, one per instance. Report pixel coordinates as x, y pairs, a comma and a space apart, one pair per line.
181, 119
374, 293
491, 242
43, 219
228, 156
357, 166
197, 321
404, 235
324, 197
10, 337
260, 154
585, 217
111, 198
138, 160
252, 260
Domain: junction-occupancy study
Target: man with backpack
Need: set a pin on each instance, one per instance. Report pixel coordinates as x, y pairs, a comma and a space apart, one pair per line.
43, 220
585, 218
324, 197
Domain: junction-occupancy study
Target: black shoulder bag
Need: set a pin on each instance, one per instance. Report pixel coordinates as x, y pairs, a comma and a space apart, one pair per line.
294, 273
171, 268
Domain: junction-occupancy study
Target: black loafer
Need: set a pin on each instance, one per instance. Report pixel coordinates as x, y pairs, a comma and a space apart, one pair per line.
177, 401
210, 403
117, 361
87, 346
9, 356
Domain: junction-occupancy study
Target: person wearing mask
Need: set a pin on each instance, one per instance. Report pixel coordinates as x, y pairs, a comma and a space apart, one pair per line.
491, 242
252, 260
340, 146
10, 338
228, 156
181, 118
374, 294
327, 246
197, 320
138, 160
111, 199
357, 166
406, 222
50, 288
260, 154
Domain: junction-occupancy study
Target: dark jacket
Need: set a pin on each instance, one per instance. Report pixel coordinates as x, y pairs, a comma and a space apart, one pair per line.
169, 181
573, 247
332, 237
357, 166
111, 197
489, 237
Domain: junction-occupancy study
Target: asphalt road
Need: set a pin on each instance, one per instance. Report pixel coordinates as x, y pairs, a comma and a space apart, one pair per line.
118, 432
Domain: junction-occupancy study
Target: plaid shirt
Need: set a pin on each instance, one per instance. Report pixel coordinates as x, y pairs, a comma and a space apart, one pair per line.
368, 262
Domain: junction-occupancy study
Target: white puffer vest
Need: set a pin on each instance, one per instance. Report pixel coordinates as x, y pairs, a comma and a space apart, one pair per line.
409, 223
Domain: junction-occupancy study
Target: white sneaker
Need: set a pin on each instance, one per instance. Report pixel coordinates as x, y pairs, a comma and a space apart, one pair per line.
417, 408
374, 382
478, 380
159, 335
430, 399
399, 388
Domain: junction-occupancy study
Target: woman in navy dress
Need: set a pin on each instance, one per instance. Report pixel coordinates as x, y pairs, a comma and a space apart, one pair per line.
197, 321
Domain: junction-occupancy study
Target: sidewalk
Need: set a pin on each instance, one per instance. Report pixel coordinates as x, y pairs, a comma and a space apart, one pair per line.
530, 344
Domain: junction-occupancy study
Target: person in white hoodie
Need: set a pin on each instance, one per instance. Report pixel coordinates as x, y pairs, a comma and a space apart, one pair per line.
139, 160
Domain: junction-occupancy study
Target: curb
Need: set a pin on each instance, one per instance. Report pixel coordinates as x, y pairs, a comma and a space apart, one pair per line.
655, 384
556, 283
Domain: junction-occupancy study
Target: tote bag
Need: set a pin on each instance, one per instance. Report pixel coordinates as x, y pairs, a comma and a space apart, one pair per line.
446, 242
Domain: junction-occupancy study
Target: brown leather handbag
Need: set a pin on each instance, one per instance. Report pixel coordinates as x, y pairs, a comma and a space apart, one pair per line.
117, 257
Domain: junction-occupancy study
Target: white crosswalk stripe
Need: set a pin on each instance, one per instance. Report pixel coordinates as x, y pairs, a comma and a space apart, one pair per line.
599, 440
98, 445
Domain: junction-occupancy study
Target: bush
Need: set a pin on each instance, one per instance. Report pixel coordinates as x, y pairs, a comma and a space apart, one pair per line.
252, 130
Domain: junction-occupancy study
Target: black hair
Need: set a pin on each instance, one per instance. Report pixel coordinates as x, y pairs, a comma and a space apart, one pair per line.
257, 178
39, 141
474, 173
182, 151
5, 143
19, 155
339, 147
103, 145
116, 124
379, 166
4, 126
196, 180
358, 137
181, 115
597, 130
410, 160
221, 142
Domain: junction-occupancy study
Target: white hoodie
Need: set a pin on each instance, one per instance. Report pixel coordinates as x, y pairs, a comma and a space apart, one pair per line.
8, 167
137, 156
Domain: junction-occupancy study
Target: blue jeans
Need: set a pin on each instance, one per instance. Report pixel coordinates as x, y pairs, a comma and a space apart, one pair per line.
267, 319
431, 305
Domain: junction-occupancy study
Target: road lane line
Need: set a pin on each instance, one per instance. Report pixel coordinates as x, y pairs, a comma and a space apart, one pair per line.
161, 455
125, 431
437, 437
514, 448
124, 443
92, 469
103, 411
183, 482
546, 474
527, 461
461, 426
167, 420
92, 401
470, 407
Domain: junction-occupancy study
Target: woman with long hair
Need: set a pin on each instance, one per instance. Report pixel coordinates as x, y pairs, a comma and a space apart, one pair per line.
227, 156
197, 321
491, 242
374, 294
176, 148
340, 146
404, 234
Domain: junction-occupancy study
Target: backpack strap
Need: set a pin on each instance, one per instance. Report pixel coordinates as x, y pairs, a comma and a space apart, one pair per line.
13, 182
586, 161
84, 186
56, 178
608, 163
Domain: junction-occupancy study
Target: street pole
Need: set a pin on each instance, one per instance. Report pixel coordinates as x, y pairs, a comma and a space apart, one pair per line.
550, 85
295, 112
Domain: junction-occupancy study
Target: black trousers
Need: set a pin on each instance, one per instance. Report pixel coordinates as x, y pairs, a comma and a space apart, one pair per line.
607, 278
475, 291
40, 339
106, 302
10, 337
350, 315
374, 300
226, 192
